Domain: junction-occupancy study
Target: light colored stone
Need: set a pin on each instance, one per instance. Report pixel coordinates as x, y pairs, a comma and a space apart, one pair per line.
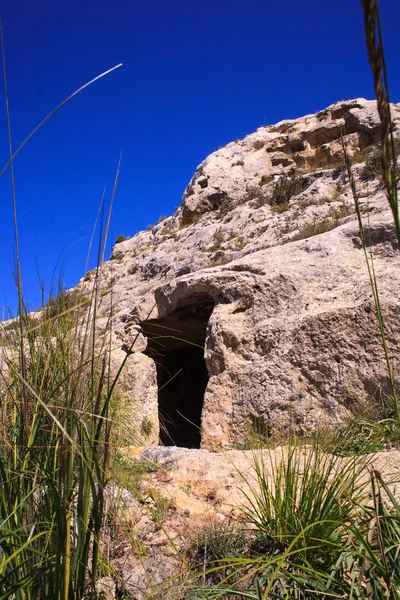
293, 337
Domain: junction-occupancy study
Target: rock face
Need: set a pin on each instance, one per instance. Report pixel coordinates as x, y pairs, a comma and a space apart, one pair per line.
251, 308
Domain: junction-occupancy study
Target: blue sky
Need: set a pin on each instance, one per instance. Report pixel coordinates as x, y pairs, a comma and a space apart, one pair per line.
195, 76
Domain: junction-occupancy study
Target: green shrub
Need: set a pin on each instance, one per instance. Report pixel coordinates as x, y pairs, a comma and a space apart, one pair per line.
303, 510
226, 207
339, 169
373, 166
213, 248
286, 187
121, 238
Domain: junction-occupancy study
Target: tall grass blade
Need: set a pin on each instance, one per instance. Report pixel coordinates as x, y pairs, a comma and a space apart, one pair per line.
25, 427
376, 57
54, 111
369, 261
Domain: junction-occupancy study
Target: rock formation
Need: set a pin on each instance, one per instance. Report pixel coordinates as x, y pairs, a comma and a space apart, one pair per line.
250, 308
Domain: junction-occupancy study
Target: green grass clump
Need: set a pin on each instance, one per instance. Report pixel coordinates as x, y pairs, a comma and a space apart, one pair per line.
212, 548
363, 435
302, 500
284, 189
128, 472
323, 526
373, 429
54, 456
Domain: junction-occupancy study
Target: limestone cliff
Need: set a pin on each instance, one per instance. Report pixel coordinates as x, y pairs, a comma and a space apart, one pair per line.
251, 304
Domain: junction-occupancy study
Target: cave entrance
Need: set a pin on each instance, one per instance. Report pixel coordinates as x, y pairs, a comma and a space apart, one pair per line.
176, 344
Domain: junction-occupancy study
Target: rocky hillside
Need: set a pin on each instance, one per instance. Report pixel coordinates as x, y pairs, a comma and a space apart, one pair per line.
250, 308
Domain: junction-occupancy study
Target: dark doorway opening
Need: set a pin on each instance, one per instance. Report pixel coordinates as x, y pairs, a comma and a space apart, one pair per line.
176, 344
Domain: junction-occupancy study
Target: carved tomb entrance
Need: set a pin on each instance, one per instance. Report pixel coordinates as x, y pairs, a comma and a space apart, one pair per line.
176, 344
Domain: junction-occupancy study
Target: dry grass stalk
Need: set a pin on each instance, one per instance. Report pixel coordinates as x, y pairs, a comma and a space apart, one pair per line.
373, 37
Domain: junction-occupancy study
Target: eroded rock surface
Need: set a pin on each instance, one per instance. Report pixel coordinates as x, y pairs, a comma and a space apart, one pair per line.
271, 283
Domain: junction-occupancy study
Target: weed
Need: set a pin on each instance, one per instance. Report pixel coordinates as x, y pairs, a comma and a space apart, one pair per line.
159, 506
227, 206
339, 170
256, 434
363, 435
217, 262
64, 302
64, 457
373, 167
312, 201
258, 200
134, 468
55, 432
303, 491
309, 530
189, 219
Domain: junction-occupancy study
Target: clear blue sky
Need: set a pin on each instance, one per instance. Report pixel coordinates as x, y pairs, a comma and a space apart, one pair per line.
196, 75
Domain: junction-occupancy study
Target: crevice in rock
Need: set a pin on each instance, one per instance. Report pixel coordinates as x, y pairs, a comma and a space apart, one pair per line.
298, 146
176, 344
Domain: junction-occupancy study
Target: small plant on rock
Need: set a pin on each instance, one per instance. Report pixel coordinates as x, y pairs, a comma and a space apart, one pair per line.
373, 166
219, 237
287, 187
121, 238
